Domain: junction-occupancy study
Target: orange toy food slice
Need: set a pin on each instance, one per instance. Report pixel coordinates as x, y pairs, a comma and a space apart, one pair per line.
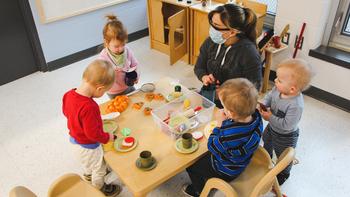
149, 97
147, 111
137, 105
158, 97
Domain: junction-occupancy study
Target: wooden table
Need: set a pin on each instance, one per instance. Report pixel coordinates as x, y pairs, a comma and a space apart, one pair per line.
150, 137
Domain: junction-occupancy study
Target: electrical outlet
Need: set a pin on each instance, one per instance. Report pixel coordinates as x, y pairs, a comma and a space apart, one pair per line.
301, 42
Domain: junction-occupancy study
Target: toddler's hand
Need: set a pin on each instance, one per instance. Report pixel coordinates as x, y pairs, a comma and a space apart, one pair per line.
266, 114
261, 107
220, 116
111, 137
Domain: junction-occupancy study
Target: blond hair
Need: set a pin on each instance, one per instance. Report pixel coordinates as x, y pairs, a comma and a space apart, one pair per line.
114, 29
300, 71
239, 96
99, 72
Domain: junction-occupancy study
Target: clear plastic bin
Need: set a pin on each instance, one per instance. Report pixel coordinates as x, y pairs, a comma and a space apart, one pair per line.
176, 109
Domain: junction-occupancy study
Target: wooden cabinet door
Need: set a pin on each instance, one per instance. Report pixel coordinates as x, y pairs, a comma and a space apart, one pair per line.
200, 31
178, 35
155, 20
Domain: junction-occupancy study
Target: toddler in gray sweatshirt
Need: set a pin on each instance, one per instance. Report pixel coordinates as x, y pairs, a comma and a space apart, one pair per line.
284, 107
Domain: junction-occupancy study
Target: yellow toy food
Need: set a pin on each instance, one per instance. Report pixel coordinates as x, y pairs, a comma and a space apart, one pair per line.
187, 103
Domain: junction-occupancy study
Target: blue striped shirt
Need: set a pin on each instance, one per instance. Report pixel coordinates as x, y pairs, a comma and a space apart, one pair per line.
233, 144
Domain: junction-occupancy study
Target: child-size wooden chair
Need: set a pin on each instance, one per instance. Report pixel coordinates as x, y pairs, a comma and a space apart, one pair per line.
21, 191
257, 179
70, 185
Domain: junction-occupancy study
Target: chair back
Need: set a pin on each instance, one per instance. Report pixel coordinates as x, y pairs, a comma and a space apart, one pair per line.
256, 179
257, 7
258, 167
269, 179
62, 184
21, 191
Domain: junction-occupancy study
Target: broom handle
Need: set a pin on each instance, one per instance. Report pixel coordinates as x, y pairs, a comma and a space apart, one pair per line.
299, 40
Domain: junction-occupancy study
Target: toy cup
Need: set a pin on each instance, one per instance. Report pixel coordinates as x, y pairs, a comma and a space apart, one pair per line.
187, 140
130, 78
146, 159
276, 41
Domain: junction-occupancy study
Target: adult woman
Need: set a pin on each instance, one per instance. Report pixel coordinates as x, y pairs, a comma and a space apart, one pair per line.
230, 51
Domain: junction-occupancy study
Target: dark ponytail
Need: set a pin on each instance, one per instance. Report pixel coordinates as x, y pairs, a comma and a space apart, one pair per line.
234, 16
250, 24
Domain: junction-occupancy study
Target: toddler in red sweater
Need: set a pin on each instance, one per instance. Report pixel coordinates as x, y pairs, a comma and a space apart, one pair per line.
85, 124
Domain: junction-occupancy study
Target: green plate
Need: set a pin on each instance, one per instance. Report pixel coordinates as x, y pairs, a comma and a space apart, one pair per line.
138, 164
110, 126
181, 149
118, 145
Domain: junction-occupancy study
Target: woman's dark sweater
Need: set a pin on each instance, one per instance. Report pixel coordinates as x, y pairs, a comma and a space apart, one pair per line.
242, 60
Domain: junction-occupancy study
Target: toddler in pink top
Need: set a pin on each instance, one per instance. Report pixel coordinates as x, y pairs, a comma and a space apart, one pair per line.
120, 56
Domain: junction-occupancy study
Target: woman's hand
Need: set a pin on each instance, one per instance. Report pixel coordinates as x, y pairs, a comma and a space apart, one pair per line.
217, 85
208, 79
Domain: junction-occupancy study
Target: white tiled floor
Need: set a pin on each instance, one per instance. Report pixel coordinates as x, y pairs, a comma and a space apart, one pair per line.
35, 150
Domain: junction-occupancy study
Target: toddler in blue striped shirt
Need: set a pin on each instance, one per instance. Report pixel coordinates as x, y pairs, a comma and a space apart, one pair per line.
233, 141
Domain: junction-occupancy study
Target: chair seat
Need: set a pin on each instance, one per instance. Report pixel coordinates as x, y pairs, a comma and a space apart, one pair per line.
21, 191
71, 185
81, 189
250, 176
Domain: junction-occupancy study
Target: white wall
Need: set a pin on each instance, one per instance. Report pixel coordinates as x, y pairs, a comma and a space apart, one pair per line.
329, 77
65, 37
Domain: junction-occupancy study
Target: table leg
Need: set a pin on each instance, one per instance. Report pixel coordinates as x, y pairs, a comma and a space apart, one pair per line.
268, 57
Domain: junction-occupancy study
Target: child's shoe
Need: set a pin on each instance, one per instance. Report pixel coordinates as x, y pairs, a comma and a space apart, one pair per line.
295, 161
111, 190
188, 190
87, 177
282, 177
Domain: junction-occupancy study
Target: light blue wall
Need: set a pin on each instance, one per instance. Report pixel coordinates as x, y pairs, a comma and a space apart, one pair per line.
67, 36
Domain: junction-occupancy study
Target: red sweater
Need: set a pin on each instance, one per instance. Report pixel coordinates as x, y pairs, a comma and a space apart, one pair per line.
83, 119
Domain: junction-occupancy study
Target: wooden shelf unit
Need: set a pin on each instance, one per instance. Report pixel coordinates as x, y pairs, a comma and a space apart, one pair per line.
168, 22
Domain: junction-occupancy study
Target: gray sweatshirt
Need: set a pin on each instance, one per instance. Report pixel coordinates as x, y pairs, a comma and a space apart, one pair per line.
241, 59
286, 112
